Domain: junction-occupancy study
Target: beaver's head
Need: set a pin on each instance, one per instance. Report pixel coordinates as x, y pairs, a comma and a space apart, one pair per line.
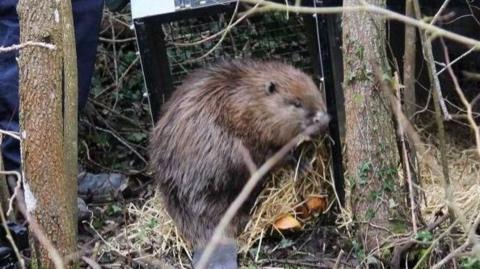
281, 102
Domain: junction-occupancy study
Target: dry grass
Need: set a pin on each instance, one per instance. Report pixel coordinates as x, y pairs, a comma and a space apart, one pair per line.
464, 167
154, 234
285, 192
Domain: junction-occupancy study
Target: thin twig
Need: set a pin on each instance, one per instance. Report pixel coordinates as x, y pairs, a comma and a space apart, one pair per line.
451, 255
10, 133
16, 190
129, 39
339, 258
456, 60
223, 31
230, 25
91, 263
468, 241
471, 75
252, 167
10, 238
247, 189
434, 243
401, 248
430, 29
434, 81
438, 103
115, 64
120, 80
406, 162
440, 10
116, 113
409, 129
28, 44
121, 140
464, 100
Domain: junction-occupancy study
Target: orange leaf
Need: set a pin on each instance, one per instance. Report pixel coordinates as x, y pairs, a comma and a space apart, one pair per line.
302, 211
316, 203
287, 222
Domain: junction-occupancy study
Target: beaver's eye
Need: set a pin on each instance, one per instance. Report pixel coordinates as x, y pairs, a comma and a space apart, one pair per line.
271, 88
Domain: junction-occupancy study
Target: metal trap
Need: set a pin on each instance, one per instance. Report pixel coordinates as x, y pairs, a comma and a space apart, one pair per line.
175, 36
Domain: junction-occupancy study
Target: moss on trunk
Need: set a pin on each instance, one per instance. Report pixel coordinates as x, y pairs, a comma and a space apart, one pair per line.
376, 196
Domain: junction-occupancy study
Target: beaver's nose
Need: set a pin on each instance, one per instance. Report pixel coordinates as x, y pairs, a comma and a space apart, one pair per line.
321, 118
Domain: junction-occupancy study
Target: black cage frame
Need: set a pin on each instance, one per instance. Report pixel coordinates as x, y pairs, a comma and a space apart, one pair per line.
159, 83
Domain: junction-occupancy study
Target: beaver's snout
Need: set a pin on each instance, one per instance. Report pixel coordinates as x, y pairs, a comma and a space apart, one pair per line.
321, 118
318, 118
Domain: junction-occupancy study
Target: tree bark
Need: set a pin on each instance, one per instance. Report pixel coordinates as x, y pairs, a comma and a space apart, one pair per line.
47, 189
70, 122
409, 63
372, 155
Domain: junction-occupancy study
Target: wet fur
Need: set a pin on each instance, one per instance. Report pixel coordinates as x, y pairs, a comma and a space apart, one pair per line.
195, 151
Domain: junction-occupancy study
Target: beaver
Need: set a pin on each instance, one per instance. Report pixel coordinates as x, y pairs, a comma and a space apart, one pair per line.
195, 147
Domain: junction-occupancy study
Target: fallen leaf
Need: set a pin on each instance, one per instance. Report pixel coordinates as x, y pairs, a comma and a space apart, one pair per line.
286, 223
317, 203
302, 211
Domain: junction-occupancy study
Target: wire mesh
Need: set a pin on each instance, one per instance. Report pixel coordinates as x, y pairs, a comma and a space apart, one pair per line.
267, 36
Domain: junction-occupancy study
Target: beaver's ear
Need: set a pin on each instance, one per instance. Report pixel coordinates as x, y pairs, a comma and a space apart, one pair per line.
270, 88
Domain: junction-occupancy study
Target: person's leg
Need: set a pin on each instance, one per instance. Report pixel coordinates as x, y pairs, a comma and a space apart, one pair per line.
87, 15
9, 35
9, 147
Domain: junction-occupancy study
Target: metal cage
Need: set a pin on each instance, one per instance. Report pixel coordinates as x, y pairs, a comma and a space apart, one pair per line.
309, 42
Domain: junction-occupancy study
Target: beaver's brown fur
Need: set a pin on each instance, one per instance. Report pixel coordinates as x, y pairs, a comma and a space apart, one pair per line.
195, 151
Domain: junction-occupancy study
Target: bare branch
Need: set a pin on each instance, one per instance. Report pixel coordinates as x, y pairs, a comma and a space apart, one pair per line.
471, 75
451, 255
456, 60
16, 190
28, 44
230, 25
457, 251
9, 133
440, 10
435, 82
464, 100
123, 141
405, 158
430, 29
10, 238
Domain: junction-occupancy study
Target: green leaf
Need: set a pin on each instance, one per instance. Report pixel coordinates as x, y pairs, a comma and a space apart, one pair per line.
114, 209
424, 236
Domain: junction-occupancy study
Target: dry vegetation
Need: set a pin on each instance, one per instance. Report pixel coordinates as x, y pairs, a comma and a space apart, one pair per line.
152, 233
136, 231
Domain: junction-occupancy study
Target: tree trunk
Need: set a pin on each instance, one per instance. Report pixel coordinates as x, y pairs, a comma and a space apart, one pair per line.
70, 122
372, 154
409, 63
47, 189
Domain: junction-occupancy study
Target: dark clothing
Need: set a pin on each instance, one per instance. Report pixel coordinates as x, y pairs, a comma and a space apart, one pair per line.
87, 15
